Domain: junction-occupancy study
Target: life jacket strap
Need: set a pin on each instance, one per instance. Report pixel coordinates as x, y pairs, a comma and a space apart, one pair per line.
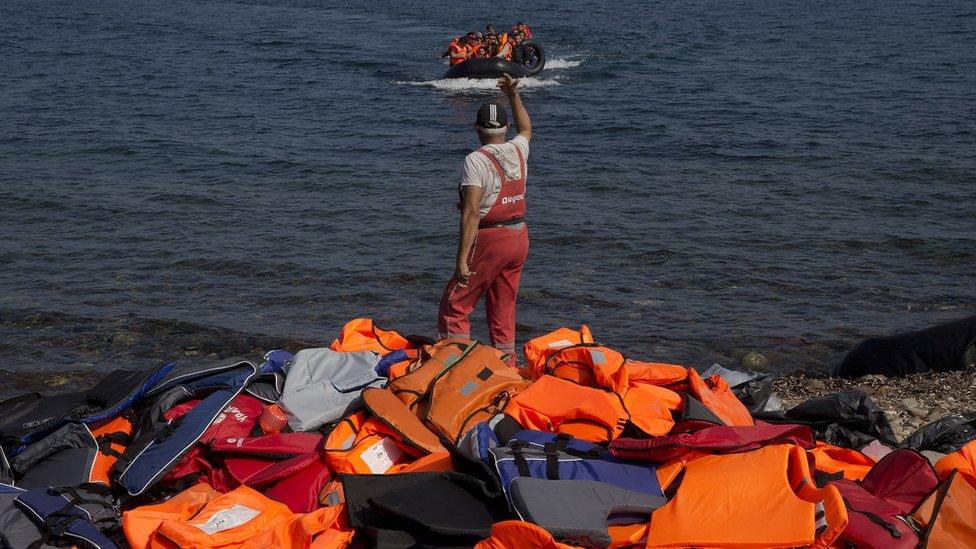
552, 461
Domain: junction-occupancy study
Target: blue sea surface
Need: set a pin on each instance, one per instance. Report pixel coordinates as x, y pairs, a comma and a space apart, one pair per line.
706, 178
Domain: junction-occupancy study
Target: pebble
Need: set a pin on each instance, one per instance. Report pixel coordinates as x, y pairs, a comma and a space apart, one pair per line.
753, 361
909, 403
817, 385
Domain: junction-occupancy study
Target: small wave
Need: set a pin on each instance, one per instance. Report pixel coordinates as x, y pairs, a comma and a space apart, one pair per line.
562, 63
477, 84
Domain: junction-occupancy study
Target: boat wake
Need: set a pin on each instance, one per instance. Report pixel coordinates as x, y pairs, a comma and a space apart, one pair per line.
462, 85
563, 63
479, 84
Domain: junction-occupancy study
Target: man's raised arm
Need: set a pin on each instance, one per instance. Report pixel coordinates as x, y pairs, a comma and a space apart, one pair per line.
523, 126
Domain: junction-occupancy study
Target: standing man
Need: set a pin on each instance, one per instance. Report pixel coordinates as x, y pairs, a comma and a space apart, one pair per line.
494, 240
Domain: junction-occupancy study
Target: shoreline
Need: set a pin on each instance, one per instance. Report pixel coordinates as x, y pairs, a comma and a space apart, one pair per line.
908, 402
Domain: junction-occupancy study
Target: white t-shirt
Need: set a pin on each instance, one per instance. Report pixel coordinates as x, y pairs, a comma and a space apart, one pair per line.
480, 172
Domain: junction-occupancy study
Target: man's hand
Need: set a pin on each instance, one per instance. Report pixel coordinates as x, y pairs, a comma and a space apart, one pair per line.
508, 84
463, 273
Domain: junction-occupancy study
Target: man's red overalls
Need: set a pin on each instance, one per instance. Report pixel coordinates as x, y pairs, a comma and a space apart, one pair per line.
496, 258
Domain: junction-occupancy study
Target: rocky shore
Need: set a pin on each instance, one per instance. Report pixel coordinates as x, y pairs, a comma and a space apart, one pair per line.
909, 402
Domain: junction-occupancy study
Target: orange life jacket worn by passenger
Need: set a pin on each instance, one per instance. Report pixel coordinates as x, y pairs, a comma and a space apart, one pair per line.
504, 47
456, 48
772, 505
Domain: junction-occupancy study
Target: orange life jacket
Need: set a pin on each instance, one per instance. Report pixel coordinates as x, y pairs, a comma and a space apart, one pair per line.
456, 48
718, 397
364, 445
463, 383
515, 534
833, 459
362, 334
556, 405
772, 505
650, 408
538, 349
202, 518
589, 364
671, 376
963, 460
592, 365
360, 444
948, 515
113, 437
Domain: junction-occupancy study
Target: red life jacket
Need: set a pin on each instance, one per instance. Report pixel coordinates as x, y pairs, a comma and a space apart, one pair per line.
509, 207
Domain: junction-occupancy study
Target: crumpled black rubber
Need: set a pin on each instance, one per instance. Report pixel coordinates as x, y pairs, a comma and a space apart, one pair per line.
849, 419
943, 348
945, 435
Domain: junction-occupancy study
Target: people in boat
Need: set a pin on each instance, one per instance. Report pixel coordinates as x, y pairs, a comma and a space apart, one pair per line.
518, 53
491, 45
458, 50
524, 29
492, 203
504, 47
475, 45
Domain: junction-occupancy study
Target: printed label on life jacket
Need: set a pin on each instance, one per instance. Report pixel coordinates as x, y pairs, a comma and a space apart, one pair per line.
560, 344
381, 455
227, 519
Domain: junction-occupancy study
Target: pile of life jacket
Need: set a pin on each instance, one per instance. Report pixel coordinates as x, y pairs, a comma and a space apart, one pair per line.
386, 440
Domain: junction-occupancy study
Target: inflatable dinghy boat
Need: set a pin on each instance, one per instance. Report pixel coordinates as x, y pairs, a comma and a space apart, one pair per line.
534, 60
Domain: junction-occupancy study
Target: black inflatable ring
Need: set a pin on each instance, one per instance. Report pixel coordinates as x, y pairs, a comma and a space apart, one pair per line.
533, 57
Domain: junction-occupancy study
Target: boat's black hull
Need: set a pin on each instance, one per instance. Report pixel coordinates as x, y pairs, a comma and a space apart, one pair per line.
492, 67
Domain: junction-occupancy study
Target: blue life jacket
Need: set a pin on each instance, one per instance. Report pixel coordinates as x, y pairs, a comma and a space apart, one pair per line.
61, 518
550, 456
157, 444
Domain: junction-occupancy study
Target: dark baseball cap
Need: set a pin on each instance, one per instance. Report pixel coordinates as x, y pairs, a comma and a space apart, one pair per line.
492, 115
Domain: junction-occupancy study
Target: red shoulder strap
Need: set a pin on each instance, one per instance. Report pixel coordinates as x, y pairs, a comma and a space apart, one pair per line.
502, 176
